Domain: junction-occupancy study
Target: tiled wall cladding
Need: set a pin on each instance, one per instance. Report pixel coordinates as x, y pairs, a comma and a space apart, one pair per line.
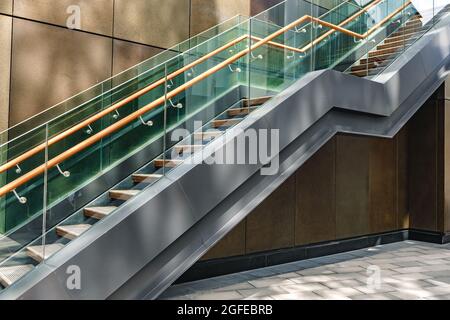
42, 62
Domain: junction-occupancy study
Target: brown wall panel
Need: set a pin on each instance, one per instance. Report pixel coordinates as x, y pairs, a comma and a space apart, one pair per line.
207, 13
154, 22
316, 214
382, 182
357, 185
127, 54
446, 174
271, 225
6, 6
401, 145
422, 131
5, 62
257, 6
352, 183
233, 244
95, 16
51, 64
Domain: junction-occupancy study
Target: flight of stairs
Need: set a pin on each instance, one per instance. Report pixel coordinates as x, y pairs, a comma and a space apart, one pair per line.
381, 56
65, 233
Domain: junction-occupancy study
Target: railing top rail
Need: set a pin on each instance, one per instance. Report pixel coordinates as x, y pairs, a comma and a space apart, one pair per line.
135, 115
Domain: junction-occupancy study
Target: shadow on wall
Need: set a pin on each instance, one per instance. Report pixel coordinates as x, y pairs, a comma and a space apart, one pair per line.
257, 6
51, 64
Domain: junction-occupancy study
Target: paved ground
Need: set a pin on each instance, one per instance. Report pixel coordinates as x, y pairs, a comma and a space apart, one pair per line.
404, 270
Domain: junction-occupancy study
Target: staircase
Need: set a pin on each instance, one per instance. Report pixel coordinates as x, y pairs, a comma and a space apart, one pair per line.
386, 52
171, 97
66, 232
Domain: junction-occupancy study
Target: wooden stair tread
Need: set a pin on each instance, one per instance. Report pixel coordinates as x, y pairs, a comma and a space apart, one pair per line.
404, 34
240, 111
371, 65
188, 148
37, 252
72, 231
409, 28
123, 194
364, 66
399, 38
411, 37
168, 163
379, 59
365, 73
395, 43
413, 22
9, 275
146, 178
98, 212
225, 122
385, 51
207, 134
256, 101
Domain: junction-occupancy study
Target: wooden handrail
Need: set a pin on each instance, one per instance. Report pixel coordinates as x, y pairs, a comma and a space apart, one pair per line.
134, 116
343, 23
387, 18
16, 161
28, 154
105, 112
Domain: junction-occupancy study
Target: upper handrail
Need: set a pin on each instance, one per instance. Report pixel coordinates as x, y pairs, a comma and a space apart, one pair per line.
139, 113
16, 161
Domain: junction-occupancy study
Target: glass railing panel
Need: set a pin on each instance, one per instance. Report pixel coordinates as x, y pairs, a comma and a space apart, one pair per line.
418, 19
188, 97
90, 96
396, 32
13, 212
88, 163
18, 206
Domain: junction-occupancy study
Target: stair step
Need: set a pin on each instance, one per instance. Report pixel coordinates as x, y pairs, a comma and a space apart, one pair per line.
372, 65
402, 37
364, 66
407, 36
123, 194
403, 42
207, 135
160, 163
409, 28
98, 212
380, 59
256, 101
365, 73
146, 178
72, 232
225, 122
385, 51
413, 22
187, 148
9, 275
37, 252
407, 33
240, 111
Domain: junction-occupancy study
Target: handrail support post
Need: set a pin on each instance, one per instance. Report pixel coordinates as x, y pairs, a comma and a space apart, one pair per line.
65, 174
22, 200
